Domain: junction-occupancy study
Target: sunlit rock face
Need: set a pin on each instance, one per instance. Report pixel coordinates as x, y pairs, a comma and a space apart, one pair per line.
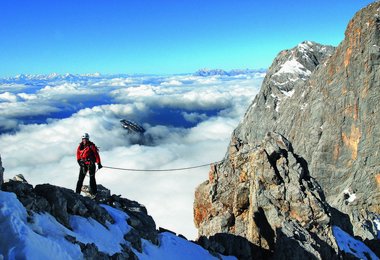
266, 195
325, 102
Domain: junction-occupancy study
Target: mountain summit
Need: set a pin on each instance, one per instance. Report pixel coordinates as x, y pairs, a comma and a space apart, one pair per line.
51, 222
305, 159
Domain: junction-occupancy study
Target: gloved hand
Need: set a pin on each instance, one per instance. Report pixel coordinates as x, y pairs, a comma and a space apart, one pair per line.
81, 163
100, 166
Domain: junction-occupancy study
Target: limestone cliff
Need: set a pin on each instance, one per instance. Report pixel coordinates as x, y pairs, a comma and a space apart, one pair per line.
267, 196
331, 118
324, 101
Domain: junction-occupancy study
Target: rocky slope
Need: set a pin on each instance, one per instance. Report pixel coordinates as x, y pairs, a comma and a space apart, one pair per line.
320, 106
62, 203
266, 196
47, 221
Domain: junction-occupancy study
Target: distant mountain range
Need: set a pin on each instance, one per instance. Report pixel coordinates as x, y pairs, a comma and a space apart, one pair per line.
212, 72
75, 77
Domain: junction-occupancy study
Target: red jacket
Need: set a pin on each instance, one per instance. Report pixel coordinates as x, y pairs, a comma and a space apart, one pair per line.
88, 152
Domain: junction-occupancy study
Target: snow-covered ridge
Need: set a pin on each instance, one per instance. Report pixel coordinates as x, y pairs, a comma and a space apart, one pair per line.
205, 72
65, 225
43, 237
293, 67
52, 76
69, 76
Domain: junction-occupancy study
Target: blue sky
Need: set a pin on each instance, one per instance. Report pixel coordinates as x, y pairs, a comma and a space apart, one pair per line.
161, 37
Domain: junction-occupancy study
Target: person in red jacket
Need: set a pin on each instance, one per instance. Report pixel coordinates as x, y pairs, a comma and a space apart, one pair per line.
87, 156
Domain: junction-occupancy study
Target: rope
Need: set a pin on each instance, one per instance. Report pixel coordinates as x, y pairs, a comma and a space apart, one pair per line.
171, 169
161, 170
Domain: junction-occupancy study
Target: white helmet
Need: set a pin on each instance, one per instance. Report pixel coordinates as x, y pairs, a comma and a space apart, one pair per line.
85, 136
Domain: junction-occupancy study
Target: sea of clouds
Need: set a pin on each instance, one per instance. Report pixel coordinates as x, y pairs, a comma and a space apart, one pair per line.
188, 119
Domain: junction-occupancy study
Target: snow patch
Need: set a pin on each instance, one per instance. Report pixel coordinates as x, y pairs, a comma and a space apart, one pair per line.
288, 93
41, 240
278, 106
352, 246
43, 237
377, 224
304, 105
305, 46
173, 247
293, 67
107, 239
349, 196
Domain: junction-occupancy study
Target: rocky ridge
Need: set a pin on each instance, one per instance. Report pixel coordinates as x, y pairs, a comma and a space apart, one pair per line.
97, 228
267, 197
61, 203
319, 106
331, 119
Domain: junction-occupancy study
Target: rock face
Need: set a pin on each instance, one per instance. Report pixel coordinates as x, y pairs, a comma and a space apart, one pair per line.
266, 195
331, 116
326, 102
61, 203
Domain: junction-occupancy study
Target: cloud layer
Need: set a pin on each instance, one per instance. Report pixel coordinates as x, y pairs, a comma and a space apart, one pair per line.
188, 121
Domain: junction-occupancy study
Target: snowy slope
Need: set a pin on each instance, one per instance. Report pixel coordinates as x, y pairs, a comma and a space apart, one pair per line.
41, 236
352, 246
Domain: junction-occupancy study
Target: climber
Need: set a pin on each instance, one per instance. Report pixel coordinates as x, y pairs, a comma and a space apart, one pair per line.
87, 156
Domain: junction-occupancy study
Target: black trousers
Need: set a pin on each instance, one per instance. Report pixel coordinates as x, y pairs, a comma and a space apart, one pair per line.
82, 174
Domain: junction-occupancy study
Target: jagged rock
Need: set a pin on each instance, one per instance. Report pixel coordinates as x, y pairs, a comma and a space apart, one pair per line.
133, 237
65, 202
266, 196
102, 192
62, 203
27, 196
229, 244
20, 177
90, 251
162, 230
138, 217
326, 102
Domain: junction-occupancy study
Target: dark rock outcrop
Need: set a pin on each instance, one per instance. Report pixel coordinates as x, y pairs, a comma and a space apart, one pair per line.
62, 203
323, 103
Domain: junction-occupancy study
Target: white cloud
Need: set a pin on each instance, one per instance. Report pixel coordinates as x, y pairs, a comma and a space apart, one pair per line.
22, 109
8, 97
26, 96
46, 152
115, 82
194, 117
139, 91
172, 82
12, 87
